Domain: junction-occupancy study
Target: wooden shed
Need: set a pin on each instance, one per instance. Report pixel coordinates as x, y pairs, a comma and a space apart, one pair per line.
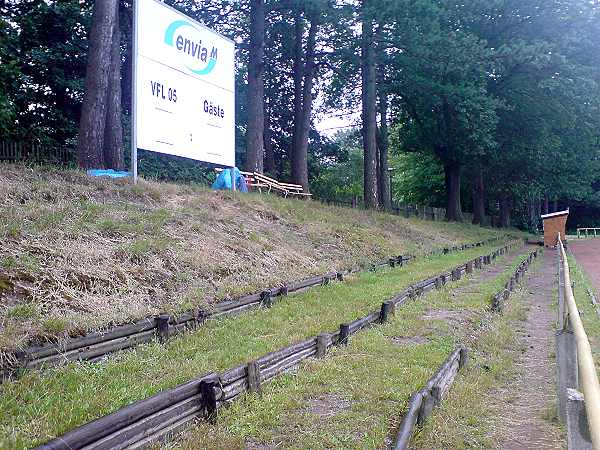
555, 223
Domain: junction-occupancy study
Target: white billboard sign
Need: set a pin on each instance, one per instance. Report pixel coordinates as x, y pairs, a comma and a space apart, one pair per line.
184, 86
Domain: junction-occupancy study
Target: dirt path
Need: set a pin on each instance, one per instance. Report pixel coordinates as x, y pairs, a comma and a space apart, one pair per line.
587, 254
531, 395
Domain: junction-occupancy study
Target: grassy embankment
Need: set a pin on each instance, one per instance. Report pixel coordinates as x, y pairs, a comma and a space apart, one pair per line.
80, 254
42, 405
355, 397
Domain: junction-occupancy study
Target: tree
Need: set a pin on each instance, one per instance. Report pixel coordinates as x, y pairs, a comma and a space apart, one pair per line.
369, 108
300, 166
9, 76
383, 185
113, 129
256, 68
90, 141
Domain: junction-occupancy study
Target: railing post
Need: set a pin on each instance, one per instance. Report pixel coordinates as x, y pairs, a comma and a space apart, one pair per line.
578, 434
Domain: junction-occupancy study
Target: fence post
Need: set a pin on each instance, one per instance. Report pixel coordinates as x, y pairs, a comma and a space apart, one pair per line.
469, 267
426, 407
201, 316
253, 374
323, 341
387, 310
266, 298
344, 334
162, 327
566, 359
208, 389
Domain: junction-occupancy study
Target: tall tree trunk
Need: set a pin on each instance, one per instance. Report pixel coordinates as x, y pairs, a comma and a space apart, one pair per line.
479, 199
555, 205
297, 68
546, 209
113, 130
383, 145
453, 208
369, 109
90, 140
267, 136
505, 209
256, 69
307, 99
378, 172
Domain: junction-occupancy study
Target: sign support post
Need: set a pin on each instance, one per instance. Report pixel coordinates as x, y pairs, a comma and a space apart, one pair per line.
133, 113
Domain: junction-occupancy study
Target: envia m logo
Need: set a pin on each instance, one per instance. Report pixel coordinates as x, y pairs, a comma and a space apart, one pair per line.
185, 40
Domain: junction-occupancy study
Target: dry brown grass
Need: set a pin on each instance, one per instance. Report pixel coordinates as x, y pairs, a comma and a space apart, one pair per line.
80, 253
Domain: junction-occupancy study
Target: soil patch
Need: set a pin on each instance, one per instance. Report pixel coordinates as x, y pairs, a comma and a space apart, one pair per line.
451, 317
587, 254
405, 341
327, 405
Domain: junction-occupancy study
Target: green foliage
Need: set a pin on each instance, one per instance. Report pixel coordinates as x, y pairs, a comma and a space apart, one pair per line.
474, 86
418, 179
340, 178
47, 56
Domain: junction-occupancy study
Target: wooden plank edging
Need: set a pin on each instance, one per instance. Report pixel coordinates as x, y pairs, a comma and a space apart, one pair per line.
94, 346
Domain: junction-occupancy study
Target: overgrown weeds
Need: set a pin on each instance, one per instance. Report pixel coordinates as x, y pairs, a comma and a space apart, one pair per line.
95, 252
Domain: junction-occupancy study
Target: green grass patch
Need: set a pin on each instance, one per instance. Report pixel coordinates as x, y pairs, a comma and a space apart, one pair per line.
355, 397
54, 325
43, 405
23, 311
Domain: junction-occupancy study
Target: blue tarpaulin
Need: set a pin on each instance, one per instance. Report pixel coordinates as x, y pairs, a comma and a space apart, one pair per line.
108, 173
223, 181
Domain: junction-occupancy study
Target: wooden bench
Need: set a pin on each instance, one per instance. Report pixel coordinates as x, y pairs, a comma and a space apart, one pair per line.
295, 189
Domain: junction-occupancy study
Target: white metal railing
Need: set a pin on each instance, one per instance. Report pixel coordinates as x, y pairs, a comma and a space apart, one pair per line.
585, 232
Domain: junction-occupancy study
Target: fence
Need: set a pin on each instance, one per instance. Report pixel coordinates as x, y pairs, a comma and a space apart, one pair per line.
585, 232
34, 152
95, 346
411, 210
575, 365
146, 421
422, 402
